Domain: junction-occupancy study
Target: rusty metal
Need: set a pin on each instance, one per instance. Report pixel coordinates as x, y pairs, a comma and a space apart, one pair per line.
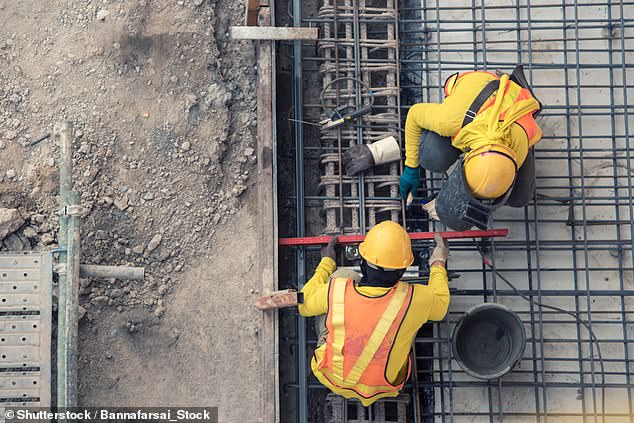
353, 51
251, 15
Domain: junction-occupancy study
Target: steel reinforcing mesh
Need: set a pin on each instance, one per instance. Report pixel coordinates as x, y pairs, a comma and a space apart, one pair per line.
571, 247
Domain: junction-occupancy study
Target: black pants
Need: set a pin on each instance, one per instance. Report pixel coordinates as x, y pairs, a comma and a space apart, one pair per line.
436, 154
524, 187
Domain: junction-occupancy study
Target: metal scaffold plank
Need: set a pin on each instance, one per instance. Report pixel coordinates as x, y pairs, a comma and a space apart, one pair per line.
17, 302
11, 325
12, 288
25, 328
16, 357
12, 380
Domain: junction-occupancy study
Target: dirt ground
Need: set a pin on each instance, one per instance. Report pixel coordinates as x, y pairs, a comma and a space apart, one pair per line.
163, 106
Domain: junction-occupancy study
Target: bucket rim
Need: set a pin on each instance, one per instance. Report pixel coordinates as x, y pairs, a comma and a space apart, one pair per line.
474, 310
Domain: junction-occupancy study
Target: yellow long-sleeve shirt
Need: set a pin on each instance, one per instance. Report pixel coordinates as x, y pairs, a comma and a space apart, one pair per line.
429, 302
446, 119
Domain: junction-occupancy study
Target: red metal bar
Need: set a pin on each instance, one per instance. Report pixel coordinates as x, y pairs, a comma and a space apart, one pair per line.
414, 236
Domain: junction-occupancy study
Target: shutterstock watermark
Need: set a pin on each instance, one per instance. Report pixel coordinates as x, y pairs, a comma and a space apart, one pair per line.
109, 414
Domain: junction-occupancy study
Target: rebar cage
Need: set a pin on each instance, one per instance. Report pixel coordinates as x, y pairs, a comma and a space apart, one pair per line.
570, 248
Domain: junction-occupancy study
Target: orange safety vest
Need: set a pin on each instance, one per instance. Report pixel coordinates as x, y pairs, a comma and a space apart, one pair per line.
512, 94
361, 331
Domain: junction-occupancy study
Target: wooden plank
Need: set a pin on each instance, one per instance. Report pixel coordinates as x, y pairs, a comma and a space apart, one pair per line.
270, 33
279, 299
267, 205
252, 12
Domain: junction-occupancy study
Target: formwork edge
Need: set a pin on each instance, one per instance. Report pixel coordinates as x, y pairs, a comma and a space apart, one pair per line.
267, 202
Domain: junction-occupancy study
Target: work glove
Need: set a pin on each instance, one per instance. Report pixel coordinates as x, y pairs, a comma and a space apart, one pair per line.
441, 251
409, 181
364, 156
357, 159
430, 208
328, 250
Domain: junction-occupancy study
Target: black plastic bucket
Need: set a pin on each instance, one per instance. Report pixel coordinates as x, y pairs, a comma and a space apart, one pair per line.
488, 341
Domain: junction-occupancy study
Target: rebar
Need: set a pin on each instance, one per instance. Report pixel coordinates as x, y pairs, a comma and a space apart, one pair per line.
571, 247
583, 180
298, 134
354, 34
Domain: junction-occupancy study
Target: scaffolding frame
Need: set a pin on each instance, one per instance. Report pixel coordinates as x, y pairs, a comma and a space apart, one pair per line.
571, 247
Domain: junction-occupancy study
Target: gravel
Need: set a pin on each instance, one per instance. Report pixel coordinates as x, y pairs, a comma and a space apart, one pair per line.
154, 243
10, 221
164, 128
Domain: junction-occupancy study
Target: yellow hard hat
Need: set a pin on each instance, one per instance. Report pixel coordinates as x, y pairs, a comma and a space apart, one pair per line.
387, 245
490, 170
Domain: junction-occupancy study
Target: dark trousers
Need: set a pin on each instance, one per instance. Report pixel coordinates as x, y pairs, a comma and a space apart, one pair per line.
524, 187
436, 154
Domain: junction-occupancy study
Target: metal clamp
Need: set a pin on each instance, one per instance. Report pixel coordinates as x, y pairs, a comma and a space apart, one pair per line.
73, 210
59, 268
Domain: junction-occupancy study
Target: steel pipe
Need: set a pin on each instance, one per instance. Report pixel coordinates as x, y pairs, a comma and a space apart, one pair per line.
65, 393
117, 272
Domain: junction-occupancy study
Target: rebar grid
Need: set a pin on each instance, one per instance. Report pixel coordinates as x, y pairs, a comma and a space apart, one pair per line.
356, 33
571, 247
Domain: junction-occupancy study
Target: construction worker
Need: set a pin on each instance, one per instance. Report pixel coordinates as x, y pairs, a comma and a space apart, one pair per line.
367, 323
488, 118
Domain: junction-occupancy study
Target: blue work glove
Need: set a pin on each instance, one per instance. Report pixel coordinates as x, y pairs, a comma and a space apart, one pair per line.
409, 181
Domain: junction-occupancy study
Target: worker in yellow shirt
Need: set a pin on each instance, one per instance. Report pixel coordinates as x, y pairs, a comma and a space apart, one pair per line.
367, 323
489, 119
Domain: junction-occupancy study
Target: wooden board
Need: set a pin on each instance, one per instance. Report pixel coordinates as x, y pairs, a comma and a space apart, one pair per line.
267, 205
270, 33
279, 299
252, 12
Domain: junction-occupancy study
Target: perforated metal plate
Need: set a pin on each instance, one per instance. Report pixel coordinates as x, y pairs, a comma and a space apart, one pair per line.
25, 329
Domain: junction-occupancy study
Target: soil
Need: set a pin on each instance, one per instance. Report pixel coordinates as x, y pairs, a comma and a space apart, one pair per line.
163, 106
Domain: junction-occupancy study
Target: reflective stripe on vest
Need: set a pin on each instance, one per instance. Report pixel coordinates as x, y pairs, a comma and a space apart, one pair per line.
512, 94
337, 355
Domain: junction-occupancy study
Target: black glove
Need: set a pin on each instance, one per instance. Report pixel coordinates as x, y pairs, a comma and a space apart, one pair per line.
357, 159
328, 250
